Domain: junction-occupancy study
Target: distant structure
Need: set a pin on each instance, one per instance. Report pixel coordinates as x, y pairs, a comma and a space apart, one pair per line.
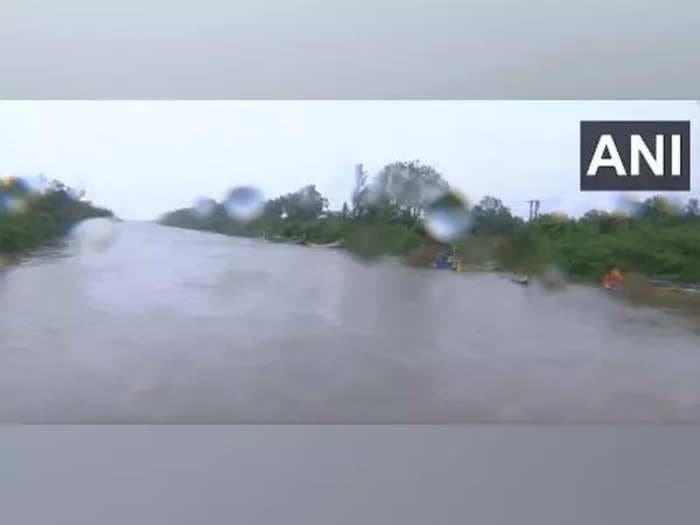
534, 209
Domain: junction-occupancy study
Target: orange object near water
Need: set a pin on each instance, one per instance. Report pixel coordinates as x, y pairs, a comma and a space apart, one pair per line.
613, 278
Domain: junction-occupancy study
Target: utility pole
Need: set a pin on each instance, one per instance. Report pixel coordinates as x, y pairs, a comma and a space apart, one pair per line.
534, 209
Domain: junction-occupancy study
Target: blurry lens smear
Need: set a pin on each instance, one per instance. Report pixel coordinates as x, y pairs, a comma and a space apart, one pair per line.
397, 203
629, 204
13, 205
37, 184
204, 207
94, 235
14, 195
447, 218
18, 194
244, 203
636, 205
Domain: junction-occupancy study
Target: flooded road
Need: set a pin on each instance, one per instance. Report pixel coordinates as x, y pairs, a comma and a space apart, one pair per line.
178, 326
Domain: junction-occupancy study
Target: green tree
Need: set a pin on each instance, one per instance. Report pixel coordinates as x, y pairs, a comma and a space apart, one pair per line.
490, 216
658, 208
305, 204
411, 186
43, 216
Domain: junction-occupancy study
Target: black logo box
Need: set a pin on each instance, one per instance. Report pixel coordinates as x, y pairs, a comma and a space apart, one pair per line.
607, 178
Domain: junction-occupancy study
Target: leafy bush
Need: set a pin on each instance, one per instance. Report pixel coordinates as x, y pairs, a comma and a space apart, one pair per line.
46, 216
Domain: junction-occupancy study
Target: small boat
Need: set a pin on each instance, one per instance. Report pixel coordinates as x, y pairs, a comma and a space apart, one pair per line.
448, 262
520, 279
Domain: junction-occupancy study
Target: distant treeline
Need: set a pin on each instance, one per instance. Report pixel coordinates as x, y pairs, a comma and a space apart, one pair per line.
31, 216
386, 216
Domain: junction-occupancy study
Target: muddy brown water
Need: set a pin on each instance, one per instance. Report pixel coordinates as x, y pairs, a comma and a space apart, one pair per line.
176, 326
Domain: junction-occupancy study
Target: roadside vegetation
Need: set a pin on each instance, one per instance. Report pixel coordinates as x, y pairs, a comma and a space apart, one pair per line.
386, 215
35, 213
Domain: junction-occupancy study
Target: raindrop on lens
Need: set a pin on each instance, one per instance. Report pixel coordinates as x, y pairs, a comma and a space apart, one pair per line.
677, 203
11, 205
447, 218
36, 184
96, 234
204, 207
244, 203
374, 193
630, 205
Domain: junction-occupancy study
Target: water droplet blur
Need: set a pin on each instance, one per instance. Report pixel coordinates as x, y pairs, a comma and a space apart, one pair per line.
96, 234
244, 203
204, 207
677, 203
374, 192
37, 184
630, 204
12, 205
448, 218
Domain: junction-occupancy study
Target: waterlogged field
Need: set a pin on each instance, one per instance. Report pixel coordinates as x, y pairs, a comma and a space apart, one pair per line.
156, 324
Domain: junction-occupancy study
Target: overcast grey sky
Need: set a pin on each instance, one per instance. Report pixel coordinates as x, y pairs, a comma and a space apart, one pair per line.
142, 158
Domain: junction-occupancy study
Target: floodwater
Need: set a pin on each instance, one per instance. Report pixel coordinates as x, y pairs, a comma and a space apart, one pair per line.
177, 326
